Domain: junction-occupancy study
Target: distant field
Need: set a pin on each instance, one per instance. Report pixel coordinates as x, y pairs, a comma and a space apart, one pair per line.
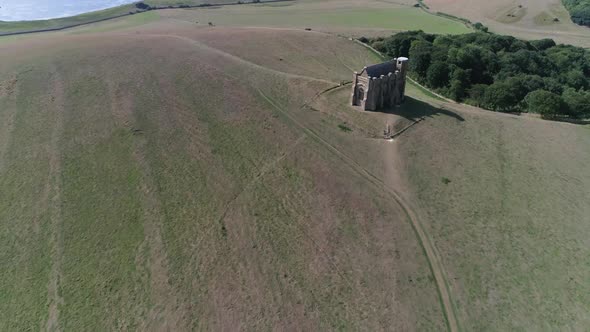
126, 22
343, 15
18, 26
367, 15
528, 19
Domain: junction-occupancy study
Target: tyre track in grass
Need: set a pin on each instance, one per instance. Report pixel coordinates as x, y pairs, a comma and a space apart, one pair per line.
237, 59
54, 204
168, 309
8, 93
434, 262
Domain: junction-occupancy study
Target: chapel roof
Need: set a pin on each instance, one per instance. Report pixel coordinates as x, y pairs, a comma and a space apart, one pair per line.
381, 69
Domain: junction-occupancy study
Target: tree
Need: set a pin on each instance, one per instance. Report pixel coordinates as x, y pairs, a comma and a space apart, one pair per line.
420, 53
443, 41
543, 44
578, 102
500, 97
399, 44
480, 27
493, 71
476, 58
142, 6
437, 75
520, 85
459, 83
379, 46
576, 79
477, 94
552, 84
546, 103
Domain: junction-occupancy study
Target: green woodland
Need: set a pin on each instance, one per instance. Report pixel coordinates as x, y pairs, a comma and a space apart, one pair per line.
499, 73
579, 10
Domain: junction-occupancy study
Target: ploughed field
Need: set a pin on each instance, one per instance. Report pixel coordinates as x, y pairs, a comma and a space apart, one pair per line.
159, 174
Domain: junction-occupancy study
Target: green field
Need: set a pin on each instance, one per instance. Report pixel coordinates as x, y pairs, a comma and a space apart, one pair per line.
313, 13
126, 22
18, 26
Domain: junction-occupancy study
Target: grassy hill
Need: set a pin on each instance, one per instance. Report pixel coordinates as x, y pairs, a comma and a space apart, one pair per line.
157, 182
167, 175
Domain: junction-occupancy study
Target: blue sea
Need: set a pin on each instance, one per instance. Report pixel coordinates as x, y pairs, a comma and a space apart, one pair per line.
19, 10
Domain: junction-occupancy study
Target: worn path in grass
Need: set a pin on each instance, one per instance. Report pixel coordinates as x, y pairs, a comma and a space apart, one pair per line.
424, 239
54, 192
435, 264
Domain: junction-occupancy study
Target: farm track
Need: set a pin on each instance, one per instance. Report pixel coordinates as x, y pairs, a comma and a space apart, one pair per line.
238, 59
8, 92
433, 260
263, 170
55, 215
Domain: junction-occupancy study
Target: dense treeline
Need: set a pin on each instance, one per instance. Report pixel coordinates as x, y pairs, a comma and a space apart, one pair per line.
499, 73
579, 10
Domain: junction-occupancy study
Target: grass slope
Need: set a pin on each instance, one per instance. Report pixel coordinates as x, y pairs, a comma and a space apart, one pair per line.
505, 200
145, 188
179, 177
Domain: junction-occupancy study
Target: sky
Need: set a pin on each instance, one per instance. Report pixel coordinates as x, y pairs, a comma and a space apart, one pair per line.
19, 10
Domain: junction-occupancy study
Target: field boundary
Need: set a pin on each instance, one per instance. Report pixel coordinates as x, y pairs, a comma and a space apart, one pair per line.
75, 25
427, 10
